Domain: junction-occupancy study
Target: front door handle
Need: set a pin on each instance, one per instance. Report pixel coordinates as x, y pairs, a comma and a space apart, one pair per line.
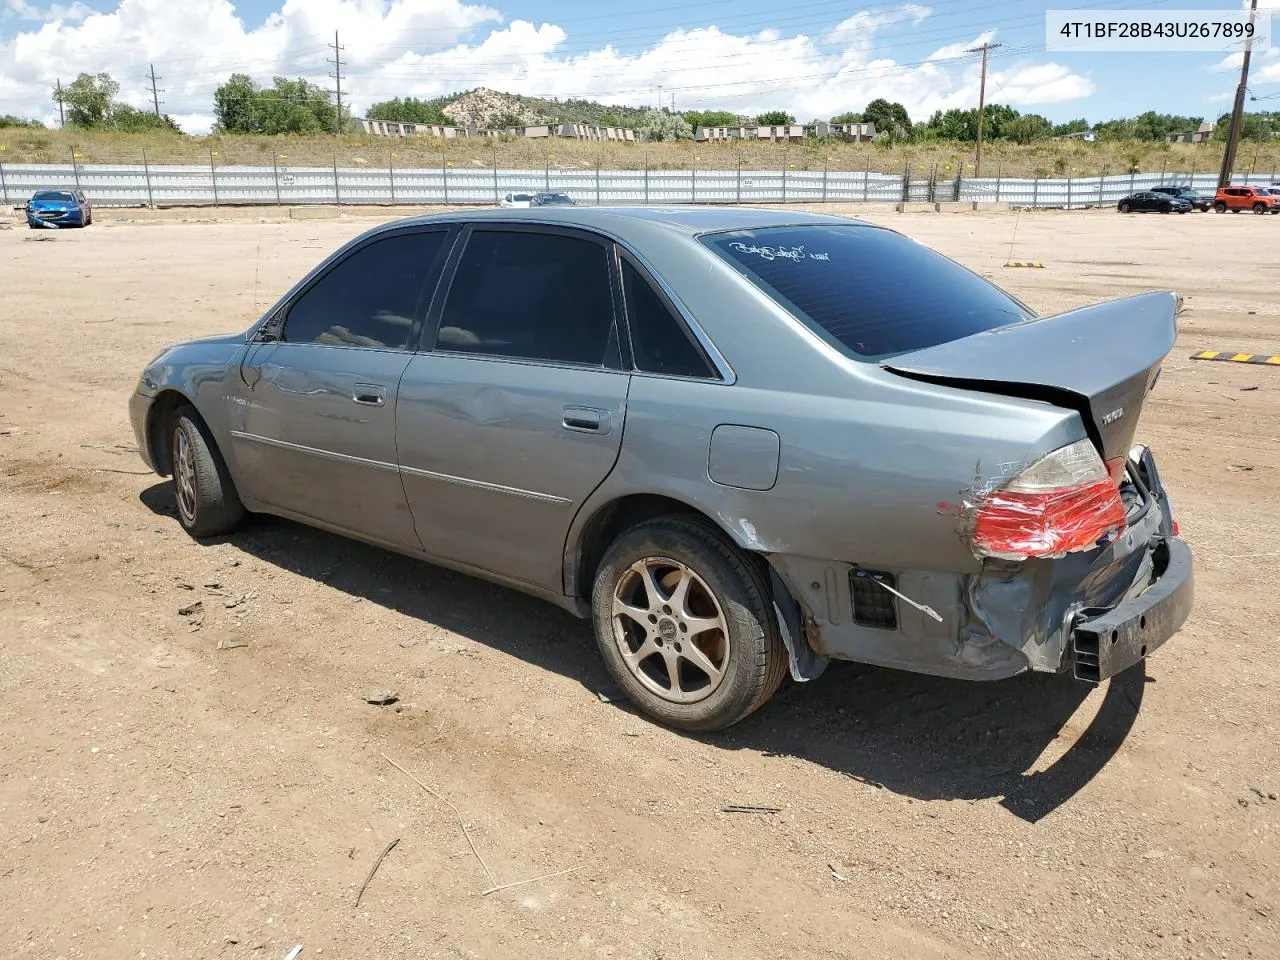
586, 420
369, 394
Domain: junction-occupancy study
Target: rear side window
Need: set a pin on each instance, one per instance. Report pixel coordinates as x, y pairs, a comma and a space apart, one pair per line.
872, 292
371, 298
659, 339
532, 296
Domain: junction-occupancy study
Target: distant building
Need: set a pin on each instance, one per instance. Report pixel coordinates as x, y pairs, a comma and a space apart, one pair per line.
1202, 134
787, 132
1088, 136
573, 131
856, 132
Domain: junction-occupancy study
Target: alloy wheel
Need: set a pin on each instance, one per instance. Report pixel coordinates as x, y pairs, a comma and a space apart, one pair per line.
670, 629
184, 475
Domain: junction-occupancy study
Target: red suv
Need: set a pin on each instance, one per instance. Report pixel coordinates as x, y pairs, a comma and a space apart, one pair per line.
1235, 199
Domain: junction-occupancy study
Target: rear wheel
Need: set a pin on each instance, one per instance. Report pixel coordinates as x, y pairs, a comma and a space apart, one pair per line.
684, 624
208, 505
1219, 207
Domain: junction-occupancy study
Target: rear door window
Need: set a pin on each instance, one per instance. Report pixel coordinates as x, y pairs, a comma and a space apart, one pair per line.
534, 296
871, 292
660, 342
372, 298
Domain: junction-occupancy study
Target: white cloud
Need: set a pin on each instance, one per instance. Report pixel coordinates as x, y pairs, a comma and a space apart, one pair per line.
861, 27
953, 50
66, 13
431, 47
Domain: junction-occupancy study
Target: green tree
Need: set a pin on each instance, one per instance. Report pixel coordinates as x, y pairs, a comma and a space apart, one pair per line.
132, 120
890, 118
1028, 128
852, 116
1257, 127
658, 125
408, 110
87, 99
1071, 126
8, 120
775, 118
711, 118
287, 106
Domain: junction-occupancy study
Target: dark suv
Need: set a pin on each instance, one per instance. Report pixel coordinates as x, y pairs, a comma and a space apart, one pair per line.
1194, 197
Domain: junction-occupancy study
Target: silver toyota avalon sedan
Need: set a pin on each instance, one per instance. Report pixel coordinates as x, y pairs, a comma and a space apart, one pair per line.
742, 442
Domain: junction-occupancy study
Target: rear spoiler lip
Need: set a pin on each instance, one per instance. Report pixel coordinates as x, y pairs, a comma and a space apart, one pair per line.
974, 359
1079, 360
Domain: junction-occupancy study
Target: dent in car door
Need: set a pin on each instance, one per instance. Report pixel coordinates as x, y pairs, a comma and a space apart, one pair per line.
317, 431
516, 416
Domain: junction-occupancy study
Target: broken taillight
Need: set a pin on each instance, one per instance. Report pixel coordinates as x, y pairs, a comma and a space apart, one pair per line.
1065, 502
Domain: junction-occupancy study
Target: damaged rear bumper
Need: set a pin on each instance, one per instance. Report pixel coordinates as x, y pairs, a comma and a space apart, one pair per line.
1096, 613
1109, 642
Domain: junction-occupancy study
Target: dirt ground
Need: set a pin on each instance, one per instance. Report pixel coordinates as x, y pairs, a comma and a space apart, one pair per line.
212, 786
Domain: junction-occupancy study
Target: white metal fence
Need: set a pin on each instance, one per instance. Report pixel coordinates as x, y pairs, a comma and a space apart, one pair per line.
132, 185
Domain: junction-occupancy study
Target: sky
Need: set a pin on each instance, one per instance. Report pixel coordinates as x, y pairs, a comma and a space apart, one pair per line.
812, 58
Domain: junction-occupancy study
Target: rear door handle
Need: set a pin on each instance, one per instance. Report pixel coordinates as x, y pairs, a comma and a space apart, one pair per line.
369, 394
586, 420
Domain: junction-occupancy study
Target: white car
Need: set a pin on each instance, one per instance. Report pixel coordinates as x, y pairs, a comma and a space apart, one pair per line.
517, 200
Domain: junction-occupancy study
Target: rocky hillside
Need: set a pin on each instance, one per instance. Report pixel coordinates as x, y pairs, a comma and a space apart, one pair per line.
491, 108
486, 108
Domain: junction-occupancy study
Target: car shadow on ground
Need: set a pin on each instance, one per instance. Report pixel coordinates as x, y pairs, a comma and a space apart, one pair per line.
922, 737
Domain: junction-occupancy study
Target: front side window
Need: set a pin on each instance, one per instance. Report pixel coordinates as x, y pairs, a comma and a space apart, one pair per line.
871, 292
533, 296
371, 298
659, 340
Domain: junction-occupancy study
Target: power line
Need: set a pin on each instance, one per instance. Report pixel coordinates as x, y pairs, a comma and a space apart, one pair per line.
338, 64
155, 93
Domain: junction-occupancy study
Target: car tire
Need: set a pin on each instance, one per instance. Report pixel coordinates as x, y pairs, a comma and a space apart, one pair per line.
1219, 207
674, 575
207, 502
1166, 208
1123, 208
1259, 208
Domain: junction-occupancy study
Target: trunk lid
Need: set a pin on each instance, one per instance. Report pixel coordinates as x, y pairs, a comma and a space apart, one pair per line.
1100, 360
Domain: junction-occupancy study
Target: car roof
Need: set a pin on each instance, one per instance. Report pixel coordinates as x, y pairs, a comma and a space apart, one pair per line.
690, 220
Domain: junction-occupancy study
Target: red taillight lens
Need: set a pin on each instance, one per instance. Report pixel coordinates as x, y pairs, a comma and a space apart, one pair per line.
1065, 502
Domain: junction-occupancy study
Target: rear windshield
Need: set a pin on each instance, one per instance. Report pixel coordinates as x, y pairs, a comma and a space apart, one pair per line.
54, 195
870, 291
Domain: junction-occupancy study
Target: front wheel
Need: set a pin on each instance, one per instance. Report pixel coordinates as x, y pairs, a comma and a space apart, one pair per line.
1259, 208
684, 622
208, 505
1124, 208
1219, 207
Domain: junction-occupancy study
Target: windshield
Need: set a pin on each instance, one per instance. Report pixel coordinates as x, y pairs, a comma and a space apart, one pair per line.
522, 197
554, 198
57, 195
872, 292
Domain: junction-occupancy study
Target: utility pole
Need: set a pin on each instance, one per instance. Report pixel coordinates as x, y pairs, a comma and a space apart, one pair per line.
337, 77
982, 102
62, 117
1237, 111
155, 93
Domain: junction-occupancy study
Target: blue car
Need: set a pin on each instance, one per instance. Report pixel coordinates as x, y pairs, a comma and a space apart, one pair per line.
52, 209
